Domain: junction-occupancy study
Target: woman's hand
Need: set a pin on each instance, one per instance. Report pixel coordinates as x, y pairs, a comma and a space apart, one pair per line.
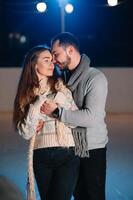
40, 126
48, 107
59, 85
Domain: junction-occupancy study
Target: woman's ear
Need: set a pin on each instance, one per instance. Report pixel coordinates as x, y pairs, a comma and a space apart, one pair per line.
36, 69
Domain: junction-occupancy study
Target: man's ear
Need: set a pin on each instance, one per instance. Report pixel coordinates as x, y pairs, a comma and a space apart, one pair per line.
70, 50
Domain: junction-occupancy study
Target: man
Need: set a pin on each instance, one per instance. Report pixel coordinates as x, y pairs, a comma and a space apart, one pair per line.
89, 88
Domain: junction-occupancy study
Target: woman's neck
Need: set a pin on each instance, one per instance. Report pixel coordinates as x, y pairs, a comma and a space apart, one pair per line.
43, 81
43, 84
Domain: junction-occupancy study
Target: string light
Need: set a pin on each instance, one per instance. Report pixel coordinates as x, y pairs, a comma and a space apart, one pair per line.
112, 2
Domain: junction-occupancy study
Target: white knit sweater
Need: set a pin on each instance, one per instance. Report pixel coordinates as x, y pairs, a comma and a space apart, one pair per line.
48, 136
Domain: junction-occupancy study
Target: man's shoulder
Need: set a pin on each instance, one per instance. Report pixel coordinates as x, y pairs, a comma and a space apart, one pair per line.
95, 73
94, 77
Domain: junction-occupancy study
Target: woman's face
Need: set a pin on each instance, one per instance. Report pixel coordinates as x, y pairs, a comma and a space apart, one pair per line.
44, 66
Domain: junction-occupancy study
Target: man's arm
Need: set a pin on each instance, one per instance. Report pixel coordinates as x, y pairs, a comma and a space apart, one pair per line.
93, 111
94, 105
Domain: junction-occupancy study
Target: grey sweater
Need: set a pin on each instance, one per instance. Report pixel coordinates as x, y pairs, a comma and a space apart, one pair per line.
89, 88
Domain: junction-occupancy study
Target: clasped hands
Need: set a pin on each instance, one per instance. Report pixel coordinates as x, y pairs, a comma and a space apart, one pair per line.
46, 108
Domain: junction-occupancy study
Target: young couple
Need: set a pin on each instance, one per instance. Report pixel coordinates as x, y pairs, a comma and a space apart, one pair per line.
64, 122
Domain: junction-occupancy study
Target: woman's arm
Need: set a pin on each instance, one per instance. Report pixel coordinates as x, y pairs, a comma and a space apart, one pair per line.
28, 128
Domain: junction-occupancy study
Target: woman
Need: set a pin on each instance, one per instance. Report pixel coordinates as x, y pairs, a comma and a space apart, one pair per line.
55, 164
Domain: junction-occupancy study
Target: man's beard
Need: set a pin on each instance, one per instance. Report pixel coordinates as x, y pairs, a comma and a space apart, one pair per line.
65, 64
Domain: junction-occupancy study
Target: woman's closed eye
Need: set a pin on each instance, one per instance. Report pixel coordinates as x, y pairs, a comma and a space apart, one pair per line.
48, 61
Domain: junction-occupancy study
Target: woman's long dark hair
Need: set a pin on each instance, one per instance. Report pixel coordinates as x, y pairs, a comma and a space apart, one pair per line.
27, 84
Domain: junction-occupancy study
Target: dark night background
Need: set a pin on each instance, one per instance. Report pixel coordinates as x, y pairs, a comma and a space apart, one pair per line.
105, 33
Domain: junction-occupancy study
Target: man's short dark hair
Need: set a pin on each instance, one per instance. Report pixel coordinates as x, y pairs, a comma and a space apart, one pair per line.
66, 39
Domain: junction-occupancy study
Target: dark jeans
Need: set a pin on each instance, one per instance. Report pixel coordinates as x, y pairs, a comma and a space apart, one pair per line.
56, 171
92, 175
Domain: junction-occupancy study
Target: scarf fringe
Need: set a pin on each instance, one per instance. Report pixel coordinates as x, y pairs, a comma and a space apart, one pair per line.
30, 180
79, 135
62, 136
30, 193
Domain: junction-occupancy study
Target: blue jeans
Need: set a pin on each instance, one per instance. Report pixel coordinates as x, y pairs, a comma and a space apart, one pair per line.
92, 175
56, 172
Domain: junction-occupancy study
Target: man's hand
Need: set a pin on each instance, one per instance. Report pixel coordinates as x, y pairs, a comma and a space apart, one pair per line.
48, 107
39, 126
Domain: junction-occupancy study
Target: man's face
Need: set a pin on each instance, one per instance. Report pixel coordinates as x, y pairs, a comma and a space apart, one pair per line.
61, 56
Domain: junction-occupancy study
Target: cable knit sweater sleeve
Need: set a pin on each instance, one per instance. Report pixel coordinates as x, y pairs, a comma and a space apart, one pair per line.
28, 128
